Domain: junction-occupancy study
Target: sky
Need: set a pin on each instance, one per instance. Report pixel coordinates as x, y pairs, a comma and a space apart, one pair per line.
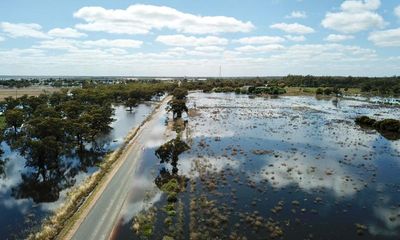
198, 38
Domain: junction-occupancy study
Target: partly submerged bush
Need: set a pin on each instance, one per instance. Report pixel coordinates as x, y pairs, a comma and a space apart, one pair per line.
389, 128
364, 120
390, 125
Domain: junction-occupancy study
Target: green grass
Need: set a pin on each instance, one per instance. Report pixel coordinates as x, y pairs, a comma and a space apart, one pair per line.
2, 122
312, 90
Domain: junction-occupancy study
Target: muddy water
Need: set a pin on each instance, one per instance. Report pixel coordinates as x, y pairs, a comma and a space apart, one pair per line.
287, 167
19, 214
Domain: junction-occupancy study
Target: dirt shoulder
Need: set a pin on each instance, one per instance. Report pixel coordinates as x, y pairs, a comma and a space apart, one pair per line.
84, 210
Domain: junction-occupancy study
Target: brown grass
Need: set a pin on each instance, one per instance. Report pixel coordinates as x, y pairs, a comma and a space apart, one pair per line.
30, 91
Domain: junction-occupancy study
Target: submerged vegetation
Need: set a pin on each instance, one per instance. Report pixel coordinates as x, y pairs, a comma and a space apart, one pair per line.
49, 129
265, 168
171, 183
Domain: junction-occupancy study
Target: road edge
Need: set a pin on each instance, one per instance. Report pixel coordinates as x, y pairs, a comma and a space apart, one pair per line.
72, 220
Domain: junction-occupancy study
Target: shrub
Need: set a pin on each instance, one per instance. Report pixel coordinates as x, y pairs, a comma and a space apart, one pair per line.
389, 128
328, 91
390, 125
364, 120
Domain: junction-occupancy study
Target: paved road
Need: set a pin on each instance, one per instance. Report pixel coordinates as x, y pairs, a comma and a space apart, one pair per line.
99, 222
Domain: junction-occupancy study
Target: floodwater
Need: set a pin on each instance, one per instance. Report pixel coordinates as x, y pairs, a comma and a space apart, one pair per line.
24, 202
259, 168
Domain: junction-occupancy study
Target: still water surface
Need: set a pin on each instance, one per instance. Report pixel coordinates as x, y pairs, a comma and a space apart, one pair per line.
288, 167
22, 206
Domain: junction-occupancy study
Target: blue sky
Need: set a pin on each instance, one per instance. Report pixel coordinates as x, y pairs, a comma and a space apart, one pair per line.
195, 38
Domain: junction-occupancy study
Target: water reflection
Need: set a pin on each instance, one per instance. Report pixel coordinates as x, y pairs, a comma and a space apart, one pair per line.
40, 189
389, 221
30, 190
295, 167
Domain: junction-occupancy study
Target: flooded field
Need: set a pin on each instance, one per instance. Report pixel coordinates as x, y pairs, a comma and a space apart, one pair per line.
267, 168
25, 201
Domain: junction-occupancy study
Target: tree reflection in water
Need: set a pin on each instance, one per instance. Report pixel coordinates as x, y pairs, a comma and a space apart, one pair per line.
171, 182
45, 177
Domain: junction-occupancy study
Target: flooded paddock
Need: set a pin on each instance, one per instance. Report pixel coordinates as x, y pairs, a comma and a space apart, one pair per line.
25, 202
269, 168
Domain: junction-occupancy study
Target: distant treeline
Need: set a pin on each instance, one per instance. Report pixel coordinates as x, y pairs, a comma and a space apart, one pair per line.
225, 85
18, 83
378, 85
64, 82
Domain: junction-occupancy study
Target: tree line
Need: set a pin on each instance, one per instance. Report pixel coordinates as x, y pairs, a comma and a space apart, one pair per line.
376, 85
47, 129
373, 85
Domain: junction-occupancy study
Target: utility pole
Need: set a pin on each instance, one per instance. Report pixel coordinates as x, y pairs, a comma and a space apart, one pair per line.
220, 71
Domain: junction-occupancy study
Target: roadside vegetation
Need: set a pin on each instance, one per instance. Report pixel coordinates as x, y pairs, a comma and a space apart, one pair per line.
168, 180
49, 129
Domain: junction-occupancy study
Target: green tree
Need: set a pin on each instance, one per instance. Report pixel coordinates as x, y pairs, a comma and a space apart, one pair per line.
327, 91
180, 93
177, 107
169, 152
14, 119
96, 121
131, 103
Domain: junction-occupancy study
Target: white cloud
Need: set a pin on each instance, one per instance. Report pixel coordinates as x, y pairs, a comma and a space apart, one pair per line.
181, 40
360, 5
260, 40
334, 51
297, 14
65, 44
259, 49
141, 19
202, 51
116, 51
2, 39
209, 49
294, 28
397, 11
69, 44
303, 59
115, 43
15, 30
338, 37
66, 33
386, 38
355, 16
300, 38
